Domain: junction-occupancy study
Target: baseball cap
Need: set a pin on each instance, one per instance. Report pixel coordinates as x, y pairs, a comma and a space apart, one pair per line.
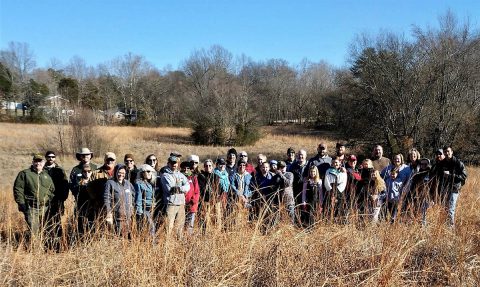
173, 158
110, 155
38, 157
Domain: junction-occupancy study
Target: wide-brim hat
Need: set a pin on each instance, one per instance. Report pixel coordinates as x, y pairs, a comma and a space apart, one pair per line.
83, 151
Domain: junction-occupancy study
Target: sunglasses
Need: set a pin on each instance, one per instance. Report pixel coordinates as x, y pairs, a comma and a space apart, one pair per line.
89, 170
147, 171
243, 155
152, 159
129, 160
50, 156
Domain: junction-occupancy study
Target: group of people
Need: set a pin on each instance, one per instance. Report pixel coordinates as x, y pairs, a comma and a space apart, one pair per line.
183, 197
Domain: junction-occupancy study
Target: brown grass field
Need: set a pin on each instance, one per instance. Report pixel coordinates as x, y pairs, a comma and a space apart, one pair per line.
354, 254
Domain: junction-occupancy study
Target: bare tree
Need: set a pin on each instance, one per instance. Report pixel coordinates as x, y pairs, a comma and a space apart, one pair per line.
20, 59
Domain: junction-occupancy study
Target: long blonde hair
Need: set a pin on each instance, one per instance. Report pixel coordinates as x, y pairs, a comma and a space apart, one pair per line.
316, 179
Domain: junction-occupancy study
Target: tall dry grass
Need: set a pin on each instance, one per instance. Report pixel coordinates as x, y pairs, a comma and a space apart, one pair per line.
356, 254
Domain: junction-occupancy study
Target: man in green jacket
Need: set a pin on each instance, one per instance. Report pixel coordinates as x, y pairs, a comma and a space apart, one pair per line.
33, 190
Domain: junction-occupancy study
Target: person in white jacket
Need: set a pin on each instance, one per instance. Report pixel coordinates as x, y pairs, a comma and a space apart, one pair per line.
335, 183
175, 185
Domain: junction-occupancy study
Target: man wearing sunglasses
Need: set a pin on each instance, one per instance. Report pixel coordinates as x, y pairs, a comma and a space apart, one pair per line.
132, 169
56, 207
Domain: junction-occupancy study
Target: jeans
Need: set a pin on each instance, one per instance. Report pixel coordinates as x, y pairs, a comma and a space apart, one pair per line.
145, 220
451, 206
190, 222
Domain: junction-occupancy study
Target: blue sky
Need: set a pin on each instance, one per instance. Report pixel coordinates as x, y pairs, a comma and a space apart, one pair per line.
166, 32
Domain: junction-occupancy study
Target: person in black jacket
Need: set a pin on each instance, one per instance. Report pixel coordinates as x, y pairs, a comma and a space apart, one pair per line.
450, 175
56, 208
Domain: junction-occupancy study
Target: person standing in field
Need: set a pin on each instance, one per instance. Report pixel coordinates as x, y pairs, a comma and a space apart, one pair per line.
335, 183
56, 207
282, 183
450, 175
311, 197
261, 187
144, 199
417, 197
353, 179
118, 201
396, 176
33, 191
209, 184
97, 186
192, 196
297, 169
79, 187
174, 185
80, 193
238, 199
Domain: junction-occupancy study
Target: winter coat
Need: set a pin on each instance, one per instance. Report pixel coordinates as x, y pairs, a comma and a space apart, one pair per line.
118, 197
224, 180
33, 189
322, 163
76, 175
335, 178
240, 184
193, 195
174, 187
144, 194
60, 180
312, 192
454, 180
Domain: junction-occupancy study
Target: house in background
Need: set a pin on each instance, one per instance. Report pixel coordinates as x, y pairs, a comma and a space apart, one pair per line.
11, 105
56, 102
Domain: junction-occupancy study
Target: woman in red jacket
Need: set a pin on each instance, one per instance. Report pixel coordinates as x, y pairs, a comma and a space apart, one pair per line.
192, 196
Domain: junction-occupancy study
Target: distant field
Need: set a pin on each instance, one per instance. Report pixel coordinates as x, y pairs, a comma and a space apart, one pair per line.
356, 254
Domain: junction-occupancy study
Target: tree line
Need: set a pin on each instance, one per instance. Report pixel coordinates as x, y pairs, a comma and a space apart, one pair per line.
416, 90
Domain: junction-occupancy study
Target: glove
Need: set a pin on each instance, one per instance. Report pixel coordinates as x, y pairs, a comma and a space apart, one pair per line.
109, 218
22, 207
